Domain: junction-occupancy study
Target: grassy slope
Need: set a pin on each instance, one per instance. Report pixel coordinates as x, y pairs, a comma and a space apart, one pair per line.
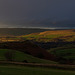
47, 36
20, 56
67, 54
19, 70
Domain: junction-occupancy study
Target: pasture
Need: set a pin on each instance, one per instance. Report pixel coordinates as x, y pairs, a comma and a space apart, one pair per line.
21, 70
18, 56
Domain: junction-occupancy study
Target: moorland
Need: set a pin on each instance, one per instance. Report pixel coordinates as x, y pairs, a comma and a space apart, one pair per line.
37, 50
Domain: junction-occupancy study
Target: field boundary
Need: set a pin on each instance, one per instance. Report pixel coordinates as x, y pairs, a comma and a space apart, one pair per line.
54, 66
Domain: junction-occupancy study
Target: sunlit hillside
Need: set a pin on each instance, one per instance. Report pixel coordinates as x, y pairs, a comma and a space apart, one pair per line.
55, 36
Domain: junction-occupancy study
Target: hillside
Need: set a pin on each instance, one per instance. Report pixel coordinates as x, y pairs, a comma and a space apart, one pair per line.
52, 36
65, 55
29, 48
60, 43
44, 44
18, 56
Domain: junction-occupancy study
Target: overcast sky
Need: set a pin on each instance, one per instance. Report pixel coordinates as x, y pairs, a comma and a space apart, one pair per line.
37, 10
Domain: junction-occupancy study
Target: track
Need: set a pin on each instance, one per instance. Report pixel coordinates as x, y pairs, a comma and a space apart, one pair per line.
56, 66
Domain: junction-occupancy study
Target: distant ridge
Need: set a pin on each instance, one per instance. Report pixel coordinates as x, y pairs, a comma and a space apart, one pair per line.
19, 31
23, 31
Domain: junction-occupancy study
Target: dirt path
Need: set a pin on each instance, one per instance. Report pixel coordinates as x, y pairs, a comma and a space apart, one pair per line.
54, 66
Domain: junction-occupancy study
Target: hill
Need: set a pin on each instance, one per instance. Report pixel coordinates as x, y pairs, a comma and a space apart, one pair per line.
18, 56
29, 48
61, 43
52, 36
19, 31
65, 55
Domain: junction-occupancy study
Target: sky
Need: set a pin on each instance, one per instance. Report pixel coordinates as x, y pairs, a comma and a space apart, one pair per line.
37, 13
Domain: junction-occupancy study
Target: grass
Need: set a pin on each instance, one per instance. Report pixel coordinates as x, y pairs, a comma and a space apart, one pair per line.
64, 52
68, 54
20, 57
40, 37
48, 36
20, 70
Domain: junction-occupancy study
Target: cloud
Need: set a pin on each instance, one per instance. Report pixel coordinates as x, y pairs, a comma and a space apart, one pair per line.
18, 10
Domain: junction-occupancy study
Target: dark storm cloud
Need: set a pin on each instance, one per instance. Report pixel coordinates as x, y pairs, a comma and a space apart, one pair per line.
46, 11
20, 8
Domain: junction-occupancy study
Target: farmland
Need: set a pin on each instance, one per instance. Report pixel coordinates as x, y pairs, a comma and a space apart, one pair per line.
52, 36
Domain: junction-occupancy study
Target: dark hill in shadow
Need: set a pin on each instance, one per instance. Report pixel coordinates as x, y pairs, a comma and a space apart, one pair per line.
29, 48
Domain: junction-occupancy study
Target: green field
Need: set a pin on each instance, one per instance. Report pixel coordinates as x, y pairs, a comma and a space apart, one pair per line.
20, 57
66, 54
20, 70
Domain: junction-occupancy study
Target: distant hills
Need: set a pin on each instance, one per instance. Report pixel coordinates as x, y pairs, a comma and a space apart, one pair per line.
19, 31
39, 23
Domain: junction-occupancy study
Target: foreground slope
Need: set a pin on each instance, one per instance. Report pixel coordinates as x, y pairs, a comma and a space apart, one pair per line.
20, 70
18, 56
